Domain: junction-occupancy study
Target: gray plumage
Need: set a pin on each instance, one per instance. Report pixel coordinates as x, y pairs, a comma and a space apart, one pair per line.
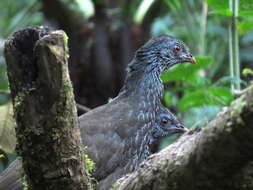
118, 135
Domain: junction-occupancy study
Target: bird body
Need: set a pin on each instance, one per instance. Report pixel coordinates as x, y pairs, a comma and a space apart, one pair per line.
119, 135
122, 124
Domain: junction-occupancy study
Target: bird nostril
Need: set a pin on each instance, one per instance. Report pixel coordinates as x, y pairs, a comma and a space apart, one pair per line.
181, 126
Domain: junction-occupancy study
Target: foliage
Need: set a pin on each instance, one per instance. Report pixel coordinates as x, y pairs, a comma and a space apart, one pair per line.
245, 23
18, 14
247, 72
89, 164
23, 181
14, 15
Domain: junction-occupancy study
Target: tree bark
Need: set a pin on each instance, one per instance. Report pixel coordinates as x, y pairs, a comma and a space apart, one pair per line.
214, 157
44, 108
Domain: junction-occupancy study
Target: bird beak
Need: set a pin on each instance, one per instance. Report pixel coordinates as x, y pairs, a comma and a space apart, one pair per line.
192, 60
189, 58
181, 129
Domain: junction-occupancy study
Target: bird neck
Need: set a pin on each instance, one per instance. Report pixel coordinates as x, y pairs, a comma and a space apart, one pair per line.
144, 89
144, 85
139, 146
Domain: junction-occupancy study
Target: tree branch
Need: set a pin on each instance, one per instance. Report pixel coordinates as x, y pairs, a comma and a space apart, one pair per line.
47, 125
211, 158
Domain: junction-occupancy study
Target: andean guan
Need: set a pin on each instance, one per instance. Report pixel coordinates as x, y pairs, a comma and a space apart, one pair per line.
120, 134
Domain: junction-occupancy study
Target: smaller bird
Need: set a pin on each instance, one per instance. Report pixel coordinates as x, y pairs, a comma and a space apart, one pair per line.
165, 125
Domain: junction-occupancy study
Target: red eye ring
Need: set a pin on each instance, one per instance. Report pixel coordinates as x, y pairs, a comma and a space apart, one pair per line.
176, 49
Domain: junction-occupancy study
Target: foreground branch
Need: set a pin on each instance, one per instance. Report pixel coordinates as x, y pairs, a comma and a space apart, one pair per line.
44, 109
211, 158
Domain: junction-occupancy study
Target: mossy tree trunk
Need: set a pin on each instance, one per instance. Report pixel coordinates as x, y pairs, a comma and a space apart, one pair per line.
47, 124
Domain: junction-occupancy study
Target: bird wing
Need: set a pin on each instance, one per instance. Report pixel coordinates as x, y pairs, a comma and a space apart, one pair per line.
105, 131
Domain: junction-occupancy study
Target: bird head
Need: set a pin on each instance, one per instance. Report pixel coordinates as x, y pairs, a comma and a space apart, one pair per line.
166, 125
164, 51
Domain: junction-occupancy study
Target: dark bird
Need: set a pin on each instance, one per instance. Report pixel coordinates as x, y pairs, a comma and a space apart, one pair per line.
137, 148
119, 135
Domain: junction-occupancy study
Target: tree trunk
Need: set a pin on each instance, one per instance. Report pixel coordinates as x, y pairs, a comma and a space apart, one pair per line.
47, 124
216, 157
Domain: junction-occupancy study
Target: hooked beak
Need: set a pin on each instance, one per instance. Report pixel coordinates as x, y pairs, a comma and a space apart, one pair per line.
189, 58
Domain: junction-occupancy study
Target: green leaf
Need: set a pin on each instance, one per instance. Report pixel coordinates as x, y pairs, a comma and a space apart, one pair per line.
246, 13
246, 5
224, 12
182, 72
197, 82
221, 95
245, 26
247, 72
3, 78
170, 99
218, 96
218, 4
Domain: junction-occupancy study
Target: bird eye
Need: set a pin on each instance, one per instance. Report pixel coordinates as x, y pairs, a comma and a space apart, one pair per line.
164, 120
176, 49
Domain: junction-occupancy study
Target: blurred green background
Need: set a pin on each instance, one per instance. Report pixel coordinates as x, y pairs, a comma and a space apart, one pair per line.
104, 34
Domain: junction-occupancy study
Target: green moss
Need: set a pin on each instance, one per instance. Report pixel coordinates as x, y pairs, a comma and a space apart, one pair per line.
239, 121
237, 109
19, 98
115, 186
23, 180
89, 164
238, 106
228, 129
229, 124
66, 48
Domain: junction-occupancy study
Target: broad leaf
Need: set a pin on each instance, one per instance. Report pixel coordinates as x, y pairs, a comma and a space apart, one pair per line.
211, 96
185, 71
